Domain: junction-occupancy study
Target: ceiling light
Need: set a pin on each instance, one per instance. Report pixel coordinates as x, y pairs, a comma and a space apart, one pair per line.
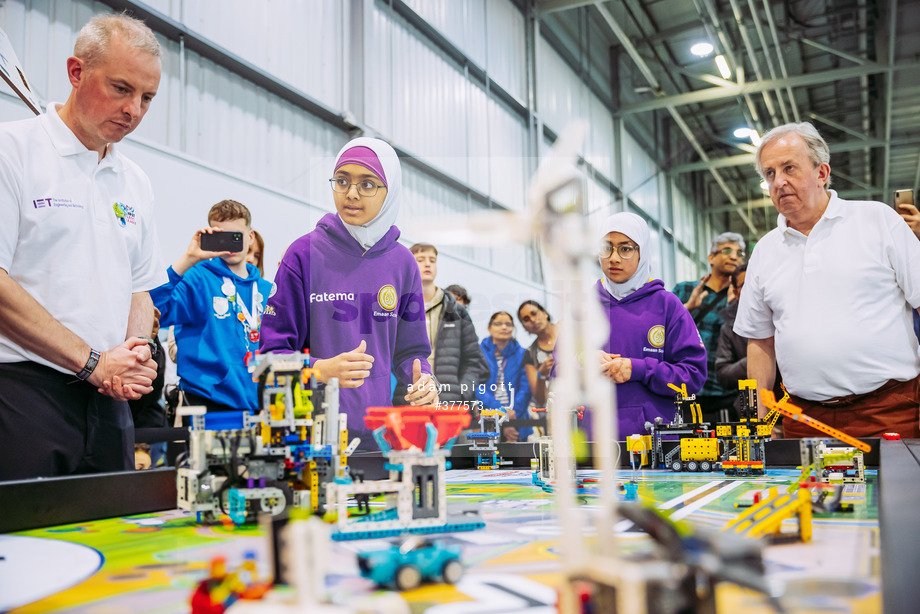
742, 133
701, 49
755, 138
724, 70
764, 186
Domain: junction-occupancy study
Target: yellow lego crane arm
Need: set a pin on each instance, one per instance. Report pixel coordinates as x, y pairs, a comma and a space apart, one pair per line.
794, 412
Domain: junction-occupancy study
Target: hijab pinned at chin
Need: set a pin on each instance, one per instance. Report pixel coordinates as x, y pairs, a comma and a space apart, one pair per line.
634, 227
379, 158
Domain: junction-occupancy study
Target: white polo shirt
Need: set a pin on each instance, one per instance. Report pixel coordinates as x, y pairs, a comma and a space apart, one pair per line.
77, 234
837, 301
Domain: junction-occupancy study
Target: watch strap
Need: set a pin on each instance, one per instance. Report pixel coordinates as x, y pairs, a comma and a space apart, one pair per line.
90, 365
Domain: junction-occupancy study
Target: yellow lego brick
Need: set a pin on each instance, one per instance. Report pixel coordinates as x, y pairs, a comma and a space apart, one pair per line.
764, 430
699, 449
266, 434
723, 431
314, 486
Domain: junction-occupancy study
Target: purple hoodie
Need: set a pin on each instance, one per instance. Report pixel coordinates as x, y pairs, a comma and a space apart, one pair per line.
331, 295
653, 328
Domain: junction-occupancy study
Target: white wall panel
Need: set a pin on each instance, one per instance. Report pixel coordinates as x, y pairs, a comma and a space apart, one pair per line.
508, 170
490, 33
560, 93
296, 41
642, 178
460, 21
434, 111
507, 64
600, 150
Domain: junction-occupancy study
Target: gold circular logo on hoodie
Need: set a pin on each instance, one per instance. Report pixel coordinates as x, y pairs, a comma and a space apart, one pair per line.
656, 336
387, 298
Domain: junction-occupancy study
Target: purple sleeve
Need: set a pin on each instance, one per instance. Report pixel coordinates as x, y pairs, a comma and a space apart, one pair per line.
685, 357
285, 323
411, 336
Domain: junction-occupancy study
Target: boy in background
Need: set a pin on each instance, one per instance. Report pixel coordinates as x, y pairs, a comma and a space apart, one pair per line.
217, 299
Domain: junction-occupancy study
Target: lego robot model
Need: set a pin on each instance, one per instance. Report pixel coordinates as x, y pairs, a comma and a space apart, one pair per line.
696, 450
416, 442
240, 464
485, 442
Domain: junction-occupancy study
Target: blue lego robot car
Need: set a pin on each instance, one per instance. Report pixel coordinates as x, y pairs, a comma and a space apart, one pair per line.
407, 564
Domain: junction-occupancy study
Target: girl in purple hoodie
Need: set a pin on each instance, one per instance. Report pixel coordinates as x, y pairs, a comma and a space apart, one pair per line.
352, 295
653, 341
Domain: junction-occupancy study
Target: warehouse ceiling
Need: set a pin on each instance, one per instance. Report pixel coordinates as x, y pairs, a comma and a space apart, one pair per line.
851, 67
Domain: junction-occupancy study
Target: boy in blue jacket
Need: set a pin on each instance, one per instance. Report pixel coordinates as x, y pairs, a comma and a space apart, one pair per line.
218, 300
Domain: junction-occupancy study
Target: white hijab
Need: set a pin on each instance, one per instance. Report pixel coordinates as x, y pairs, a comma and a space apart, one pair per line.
368, 234
634, 227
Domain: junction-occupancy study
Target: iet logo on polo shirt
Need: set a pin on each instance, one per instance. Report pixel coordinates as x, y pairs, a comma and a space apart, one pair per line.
66, 203
125, 214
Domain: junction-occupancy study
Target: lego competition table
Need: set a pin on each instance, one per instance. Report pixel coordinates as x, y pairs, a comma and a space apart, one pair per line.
152, 562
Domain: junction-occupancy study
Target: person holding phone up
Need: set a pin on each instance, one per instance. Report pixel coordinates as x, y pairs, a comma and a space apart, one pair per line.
216, 299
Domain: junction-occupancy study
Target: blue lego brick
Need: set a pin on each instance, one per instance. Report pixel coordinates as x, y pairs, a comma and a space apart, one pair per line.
481, 435
388, 514
292, 439
224, 420
446, 528
237, 506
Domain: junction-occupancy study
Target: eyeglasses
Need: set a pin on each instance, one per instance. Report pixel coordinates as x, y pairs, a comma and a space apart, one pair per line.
365, 187
727, 251
626, 251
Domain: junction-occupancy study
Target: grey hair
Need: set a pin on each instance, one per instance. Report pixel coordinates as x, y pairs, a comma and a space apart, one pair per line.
726, 237
818, 151
93, 39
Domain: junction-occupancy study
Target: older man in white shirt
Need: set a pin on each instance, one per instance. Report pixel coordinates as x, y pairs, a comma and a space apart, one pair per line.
828, 297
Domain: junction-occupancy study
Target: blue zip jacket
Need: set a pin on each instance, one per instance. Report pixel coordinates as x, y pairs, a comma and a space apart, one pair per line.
212, 343
515, 379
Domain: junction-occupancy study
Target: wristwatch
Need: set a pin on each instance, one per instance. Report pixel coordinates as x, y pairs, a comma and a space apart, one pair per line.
90, 365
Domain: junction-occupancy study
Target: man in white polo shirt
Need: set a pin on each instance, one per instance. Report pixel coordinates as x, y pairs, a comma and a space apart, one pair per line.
829, 296
78, 253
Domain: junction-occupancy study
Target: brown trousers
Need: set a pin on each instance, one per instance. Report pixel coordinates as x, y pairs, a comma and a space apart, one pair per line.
893, 408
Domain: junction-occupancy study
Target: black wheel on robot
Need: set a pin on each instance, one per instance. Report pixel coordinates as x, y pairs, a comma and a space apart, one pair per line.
407, 577
452, 571
692, 466
676, 466
705, 466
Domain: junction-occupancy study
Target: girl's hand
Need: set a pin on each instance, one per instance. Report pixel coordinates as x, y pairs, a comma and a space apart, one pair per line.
424, 390
351, 368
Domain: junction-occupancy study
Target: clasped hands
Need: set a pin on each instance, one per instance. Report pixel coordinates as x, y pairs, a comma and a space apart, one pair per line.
126, 372
615, 367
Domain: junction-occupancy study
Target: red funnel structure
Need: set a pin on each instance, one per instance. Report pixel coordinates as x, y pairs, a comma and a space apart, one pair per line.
407, 426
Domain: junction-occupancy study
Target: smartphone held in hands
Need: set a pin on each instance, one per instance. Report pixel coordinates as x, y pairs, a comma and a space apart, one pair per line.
224, 241
903, 197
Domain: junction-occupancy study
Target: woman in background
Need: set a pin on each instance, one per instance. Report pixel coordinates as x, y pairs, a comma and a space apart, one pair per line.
507, 387
538, 362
